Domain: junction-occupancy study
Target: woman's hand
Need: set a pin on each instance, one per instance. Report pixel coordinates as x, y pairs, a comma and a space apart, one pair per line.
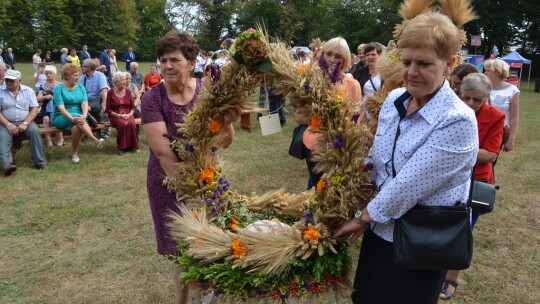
231, 115
353, 228
508, 145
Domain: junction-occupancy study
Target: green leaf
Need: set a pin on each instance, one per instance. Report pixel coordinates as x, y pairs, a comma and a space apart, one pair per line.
265, 66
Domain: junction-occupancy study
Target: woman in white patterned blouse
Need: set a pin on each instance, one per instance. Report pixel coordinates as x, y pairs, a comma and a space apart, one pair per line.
436, 143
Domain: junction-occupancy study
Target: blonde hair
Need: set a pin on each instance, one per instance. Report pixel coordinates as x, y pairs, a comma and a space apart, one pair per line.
432, 30
64, 51
69, 69
500, 67
117, 76
340, 46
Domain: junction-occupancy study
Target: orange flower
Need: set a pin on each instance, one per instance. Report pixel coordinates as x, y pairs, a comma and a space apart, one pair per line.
341, 94
238, 249
214, 126
316, 122
234, 224
283, 193
321, 185
207, 175
311, 234
362, 167
302, 68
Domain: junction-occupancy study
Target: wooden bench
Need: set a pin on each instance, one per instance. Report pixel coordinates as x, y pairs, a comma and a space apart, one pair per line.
53, 130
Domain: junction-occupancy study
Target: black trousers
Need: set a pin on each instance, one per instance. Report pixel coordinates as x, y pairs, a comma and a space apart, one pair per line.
379, 281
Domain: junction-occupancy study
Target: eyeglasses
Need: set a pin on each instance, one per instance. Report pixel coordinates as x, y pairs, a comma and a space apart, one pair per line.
467, 98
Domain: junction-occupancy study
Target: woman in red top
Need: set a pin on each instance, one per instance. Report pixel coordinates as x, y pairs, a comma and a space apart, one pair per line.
475, 89
153, 78
120, 108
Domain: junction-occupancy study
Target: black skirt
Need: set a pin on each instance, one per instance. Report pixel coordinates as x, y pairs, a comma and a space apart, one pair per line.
379, 281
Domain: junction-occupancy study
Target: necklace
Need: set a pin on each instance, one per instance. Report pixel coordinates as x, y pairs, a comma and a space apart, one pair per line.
177, 108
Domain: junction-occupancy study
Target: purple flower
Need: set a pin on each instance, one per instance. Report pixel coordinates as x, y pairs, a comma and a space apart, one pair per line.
189, 148
338, 141
259, 291
214, 149
307, 87
356, 117
217, 293
215, 73
323, 64
334, 75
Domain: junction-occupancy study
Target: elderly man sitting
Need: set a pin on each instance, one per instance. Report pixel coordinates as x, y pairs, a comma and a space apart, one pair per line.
18, 109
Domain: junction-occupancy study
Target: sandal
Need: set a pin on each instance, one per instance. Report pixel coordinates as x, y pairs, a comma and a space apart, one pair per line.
445, 294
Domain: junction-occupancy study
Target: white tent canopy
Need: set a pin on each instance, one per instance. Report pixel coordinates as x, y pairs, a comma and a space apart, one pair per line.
515, 57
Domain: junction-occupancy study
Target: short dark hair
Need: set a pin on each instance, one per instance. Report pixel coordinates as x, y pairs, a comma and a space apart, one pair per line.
177, 40
464, 69
373, 46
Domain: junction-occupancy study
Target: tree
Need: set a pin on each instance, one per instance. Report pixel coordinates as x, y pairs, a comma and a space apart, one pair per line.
17, 28
53, 27
153, 24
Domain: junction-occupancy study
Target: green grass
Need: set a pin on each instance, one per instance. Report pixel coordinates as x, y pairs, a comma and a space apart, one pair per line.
82, 233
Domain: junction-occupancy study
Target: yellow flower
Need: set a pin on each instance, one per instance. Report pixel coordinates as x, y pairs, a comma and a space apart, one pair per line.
207, 175
238, 249
214, 126
311, 234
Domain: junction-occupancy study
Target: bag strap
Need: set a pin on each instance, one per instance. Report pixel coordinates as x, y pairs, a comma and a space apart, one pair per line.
402, 111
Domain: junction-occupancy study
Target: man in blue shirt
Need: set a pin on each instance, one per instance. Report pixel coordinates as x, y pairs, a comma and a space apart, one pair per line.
18, 109
96, 87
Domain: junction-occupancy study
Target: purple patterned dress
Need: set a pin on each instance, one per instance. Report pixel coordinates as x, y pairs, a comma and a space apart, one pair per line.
155, 107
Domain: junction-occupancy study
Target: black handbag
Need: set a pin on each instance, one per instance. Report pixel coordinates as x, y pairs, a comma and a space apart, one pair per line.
483, 197
433, 237
91, 120
297, 148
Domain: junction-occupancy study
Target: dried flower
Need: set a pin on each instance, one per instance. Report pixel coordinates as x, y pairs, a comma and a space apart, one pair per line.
307, 87
238, 249
189, 148
207, 175
321, 185
311, 234
338, 141
214, 126
302, 68
234, 224
316, 122
254, 51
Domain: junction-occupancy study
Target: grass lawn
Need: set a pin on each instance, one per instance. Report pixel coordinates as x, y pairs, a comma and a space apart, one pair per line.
82, 233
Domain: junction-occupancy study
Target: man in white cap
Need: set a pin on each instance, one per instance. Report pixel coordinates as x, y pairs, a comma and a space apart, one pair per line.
18, 109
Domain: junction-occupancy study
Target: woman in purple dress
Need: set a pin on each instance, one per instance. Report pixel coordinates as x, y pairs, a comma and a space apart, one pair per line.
162, 108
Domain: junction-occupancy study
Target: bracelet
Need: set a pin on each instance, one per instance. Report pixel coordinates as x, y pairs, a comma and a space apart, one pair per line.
9, 124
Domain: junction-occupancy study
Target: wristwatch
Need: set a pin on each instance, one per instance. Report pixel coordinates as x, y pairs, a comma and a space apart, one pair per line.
358, 216
25, 123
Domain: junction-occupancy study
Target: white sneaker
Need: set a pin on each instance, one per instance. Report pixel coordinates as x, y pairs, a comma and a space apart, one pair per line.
101, 143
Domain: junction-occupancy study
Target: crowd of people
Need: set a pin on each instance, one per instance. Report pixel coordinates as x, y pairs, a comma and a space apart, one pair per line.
90, 90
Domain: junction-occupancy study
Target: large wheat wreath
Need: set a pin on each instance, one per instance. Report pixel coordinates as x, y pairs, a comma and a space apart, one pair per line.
276, 246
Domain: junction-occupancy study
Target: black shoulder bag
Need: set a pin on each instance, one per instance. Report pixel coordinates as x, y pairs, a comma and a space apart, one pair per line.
432, 237
297, 148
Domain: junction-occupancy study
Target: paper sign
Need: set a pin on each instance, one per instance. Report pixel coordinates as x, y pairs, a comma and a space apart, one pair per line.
270, 124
